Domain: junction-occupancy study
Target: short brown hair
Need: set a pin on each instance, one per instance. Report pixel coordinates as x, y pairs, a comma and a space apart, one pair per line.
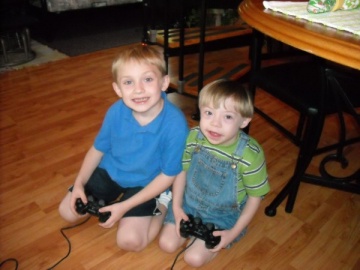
217, 92
139, 53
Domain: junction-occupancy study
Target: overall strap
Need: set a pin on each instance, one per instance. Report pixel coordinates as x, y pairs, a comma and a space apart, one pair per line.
244, 138
200, 136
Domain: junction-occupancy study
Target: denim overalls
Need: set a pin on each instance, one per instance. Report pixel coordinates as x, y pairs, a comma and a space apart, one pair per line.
211, 187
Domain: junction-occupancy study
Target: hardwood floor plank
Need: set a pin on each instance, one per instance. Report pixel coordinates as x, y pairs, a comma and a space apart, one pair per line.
50, 115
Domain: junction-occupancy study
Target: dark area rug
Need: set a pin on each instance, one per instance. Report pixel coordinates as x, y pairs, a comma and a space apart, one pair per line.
83, 31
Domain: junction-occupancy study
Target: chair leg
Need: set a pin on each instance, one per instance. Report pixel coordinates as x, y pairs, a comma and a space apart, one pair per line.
341, 101
181, 83
299, 130
343, 98
312, 133
3, 47
202, 46
270, 210
25, 36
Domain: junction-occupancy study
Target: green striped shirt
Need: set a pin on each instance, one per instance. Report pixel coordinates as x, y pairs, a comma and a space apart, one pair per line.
252, 173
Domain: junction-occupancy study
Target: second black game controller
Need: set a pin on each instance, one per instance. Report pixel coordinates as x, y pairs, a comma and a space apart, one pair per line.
92, 207
195, 227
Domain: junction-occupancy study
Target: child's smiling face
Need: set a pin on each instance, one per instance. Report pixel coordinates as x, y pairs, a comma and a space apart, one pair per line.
221, 125
140, 84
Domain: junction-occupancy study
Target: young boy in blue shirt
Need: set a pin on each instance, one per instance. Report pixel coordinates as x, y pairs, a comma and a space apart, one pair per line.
137, 152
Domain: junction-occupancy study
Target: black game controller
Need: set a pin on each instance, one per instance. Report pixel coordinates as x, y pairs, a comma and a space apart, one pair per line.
195, 227
92, 207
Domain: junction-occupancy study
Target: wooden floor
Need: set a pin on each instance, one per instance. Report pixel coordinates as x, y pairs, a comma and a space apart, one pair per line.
49, 117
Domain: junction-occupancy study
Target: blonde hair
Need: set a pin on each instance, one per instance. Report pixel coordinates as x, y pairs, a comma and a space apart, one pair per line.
217, 92
141, 54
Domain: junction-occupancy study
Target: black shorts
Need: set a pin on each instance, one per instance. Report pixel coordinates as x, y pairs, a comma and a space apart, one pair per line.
101, 186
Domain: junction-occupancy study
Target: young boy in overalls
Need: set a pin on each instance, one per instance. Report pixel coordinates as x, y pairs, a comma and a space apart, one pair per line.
224, 173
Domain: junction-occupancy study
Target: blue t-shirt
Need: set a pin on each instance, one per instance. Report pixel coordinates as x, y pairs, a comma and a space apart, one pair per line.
133, 154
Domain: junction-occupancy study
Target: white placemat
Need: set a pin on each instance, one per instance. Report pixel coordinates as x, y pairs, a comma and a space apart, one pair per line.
345, 20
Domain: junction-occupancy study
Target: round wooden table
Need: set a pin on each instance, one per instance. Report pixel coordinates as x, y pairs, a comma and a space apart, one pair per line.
327, 44
338, 46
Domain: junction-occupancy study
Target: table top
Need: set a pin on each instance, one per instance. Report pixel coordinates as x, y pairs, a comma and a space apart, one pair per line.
338, 46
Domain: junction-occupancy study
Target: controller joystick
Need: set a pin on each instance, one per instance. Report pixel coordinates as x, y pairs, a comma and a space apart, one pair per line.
92, 207
195, 227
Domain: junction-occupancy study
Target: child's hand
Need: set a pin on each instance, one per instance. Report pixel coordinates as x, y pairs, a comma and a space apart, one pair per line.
179, 215
117, 212
76, 193
226, 238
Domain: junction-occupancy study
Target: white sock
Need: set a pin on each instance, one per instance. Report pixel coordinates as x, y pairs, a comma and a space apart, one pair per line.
165, 198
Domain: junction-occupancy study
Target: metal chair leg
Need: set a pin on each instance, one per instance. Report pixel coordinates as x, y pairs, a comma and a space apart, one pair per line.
3, 47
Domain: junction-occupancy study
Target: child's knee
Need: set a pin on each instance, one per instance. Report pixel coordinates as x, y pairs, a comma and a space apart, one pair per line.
194, 259
65, 211
131, 242
166, 245
169, 241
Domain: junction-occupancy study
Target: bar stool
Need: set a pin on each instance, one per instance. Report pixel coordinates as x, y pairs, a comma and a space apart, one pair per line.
15, 38
315, 88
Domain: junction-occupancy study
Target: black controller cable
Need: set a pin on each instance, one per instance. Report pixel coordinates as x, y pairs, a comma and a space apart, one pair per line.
177, 256
9, 260
67, 239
